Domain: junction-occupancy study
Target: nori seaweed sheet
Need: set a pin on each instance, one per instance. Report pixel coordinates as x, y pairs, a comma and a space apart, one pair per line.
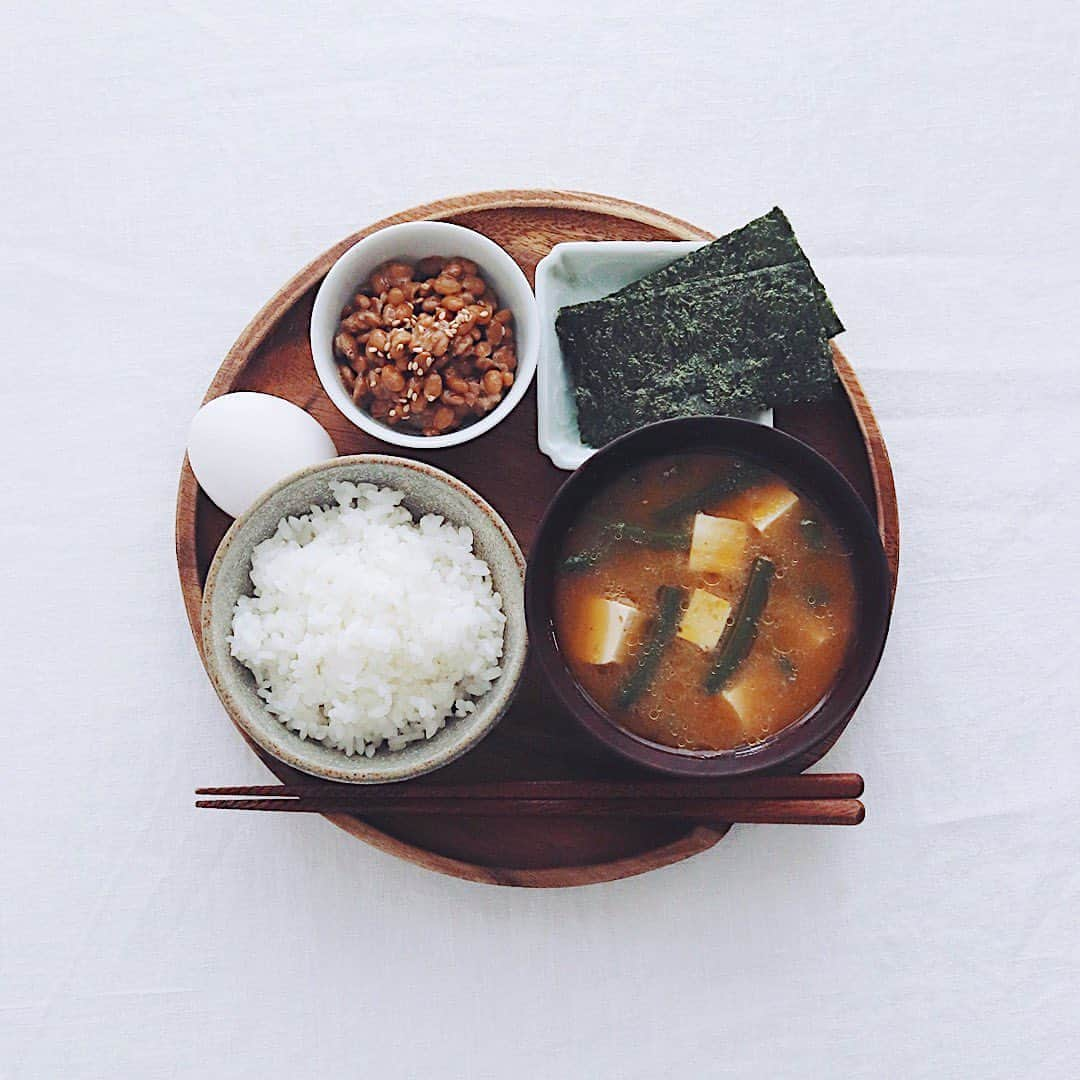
705, 347
766, 241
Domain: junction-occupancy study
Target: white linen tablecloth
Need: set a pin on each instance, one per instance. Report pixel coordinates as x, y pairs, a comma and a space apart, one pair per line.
166, 167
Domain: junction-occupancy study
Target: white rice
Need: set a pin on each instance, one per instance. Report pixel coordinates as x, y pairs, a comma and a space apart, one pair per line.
367, 628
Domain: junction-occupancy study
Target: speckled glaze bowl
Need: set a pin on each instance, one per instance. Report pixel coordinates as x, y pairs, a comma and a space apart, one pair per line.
426, 490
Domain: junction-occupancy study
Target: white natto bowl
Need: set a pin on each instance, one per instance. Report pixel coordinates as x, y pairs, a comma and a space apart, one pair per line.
411, 241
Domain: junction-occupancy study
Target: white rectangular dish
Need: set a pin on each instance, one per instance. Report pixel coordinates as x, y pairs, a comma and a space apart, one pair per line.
572, 273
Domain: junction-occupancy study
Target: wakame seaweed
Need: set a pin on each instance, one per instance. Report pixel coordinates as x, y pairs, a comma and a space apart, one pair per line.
712, 346
813, 534
619, 532
735, 645
738, 476
661, 632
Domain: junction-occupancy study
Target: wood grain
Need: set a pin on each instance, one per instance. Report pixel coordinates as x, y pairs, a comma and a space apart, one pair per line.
536, 741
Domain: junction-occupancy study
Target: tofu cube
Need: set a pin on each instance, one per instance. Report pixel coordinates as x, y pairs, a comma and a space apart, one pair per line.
718, 544
769, 504
605, 629
813, 632
746, 699
705, 619
798, 629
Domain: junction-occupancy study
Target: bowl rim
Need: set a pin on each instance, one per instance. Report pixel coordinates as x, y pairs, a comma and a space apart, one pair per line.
351, 770
813, 472
527, 360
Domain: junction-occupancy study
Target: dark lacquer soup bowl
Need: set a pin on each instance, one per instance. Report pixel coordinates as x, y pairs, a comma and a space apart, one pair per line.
809, 475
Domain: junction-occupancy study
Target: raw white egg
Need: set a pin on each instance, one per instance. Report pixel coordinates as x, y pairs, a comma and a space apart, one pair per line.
241, 444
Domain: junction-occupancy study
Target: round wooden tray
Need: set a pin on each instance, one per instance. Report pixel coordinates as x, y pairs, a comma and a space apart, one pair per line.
535, 740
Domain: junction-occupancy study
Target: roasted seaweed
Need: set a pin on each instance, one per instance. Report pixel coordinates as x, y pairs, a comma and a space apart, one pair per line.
711, 346
765, 242
738, 325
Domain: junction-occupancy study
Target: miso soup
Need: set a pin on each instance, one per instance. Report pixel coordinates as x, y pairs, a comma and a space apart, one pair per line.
704, 602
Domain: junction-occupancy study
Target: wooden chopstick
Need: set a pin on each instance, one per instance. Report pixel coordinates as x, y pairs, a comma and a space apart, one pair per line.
751, 810
809, 799
804, 786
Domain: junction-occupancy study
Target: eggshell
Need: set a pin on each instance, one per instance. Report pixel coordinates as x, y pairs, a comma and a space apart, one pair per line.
241, 444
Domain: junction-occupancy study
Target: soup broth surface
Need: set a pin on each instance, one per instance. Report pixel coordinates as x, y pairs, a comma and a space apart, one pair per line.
703, 524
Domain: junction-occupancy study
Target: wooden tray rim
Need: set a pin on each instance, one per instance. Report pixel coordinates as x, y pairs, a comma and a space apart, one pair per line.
267, 318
